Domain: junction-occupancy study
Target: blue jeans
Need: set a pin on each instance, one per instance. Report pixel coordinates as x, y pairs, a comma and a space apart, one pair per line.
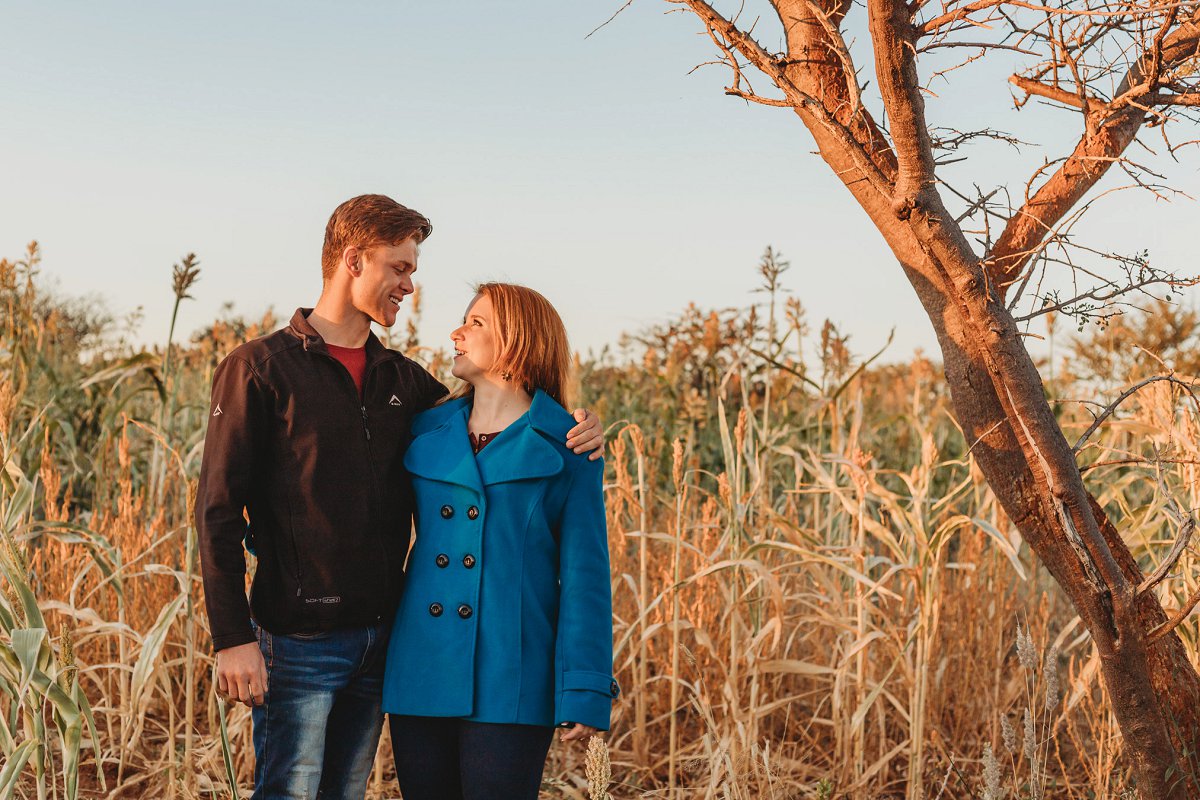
316, 732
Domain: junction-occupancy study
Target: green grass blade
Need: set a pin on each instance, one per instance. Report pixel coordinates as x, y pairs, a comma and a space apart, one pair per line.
152, 644
11, 770
226, 750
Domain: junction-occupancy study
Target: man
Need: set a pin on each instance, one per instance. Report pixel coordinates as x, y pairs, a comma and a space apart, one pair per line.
303, 462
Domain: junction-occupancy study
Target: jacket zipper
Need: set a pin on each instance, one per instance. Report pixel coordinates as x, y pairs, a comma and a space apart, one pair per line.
370, 453
296, 556
387, 568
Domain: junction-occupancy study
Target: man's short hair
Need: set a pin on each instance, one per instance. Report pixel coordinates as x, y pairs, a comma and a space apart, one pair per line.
369, 220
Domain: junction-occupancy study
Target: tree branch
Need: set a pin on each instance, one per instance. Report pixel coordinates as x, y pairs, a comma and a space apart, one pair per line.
1174, 621
976, 45
1160, 99
1032, 87
1125, 395
1087, 164
895, 69
775, 69
1060, 10
1117, 291
1168, 564
616, 13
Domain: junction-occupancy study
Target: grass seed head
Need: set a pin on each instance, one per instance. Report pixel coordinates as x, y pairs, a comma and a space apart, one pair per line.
598, 769
16, 558
639, 440
1025, 650
1030, 743
724, 490
14, 605
184, 274
66, 658
991, 775
1051, 671
677, 464
1008, 734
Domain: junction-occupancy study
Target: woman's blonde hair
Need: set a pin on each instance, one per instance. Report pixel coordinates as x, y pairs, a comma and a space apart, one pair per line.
531, 340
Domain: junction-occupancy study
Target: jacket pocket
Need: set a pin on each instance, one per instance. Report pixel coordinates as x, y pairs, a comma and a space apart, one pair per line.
297, 571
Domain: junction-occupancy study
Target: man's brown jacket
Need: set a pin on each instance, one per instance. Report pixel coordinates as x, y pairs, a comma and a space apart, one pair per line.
311, 478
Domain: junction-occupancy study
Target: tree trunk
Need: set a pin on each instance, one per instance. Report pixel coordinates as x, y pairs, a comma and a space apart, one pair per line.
996, 390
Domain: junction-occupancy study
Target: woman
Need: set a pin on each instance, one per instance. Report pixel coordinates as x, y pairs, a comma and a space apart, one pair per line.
505, 627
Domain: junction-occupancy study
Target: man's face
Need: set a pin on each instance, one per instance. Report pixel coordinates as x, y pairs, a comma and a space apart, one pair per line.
383, 280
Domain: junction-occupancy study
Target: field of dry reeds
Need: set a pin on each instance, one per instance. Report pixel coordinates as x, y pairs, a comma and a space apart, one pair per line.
815, 595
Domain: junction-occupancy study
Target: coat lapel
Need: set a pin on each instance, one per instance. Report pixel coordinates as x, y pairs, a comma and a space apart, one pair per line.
518, 453
521, 452
441, 450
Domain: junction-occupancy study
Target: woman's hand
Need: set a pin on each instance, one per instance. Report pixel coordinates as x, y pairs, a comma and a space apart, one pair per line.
587, 435
577, 733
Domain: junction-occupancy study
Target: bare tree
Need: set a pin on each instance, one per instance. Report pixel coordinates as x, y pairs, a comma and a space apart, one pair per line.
1125, 68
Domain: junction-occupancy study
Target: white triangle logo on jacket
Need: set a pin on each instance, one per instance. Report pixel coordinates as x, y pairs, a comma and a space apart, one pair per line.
395, 401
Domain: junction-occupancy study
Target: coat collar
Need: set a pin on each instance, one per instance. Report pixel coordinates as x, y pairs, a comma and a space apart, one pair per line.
441, 449
312, 341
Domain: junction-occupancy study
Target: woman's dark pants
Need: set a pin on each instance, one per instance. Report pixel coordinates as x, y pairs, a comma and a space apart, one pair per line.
443, 758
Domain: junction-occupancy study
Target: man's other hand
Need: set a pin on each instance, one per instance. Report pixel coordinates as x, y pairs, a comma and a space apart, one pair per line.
242, 674
587, 435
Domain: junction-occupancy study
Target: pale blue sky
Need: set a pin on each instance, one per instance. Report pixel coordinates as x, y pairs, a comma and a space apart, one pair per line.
595, 170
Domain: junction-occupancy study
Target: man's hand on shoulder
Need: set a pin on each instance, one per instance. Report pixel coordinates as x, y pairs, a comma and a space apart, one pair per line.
587, 435
242, 674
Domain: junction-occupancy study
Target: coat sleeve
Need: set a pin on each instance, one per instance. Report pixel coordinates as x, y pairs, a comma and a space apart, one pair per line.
232, 459
583, 651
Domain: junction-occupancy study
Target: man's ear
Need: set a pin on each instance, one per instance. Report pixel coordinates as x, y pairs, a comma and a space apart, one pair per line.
352, 260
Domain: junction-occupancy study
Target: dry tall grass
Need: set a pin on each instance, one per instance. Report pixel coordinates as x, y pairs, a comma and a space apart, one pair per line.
815, 594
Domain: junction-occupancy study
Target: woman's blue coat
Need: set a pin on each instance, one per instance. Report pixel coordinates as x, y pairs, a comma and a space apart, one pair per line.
507, 611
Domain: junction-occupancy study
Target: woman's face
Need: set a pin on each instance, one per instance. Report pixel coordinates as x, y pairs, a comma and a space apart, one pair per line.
475, 341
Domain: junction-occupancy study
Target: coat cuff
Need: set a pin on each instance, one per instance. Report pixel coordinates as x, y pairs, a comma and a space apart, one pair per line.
587, 697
